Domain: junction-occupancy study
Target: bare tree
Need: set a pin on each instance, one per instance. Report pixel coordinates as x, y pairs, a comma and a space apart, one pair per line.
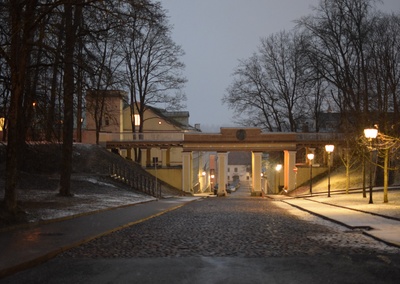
103, 62
72, 14
385, 72
43, 50
387, 149
273, 87
340, 34
251, 98
22, 19
287, 72
153, 66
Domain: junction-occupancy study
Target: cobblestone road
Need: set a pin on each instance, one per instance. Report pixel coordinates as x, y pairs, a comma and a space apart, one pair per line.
230, 227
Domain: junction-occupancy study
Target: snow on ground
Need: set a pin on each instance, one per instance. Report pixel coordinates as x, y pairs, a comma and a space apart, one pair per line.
356, 201
94, 194
356, 238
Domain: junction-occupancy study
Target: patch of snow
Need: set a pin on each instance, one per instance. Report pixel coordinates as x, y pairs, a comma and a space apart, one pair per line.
95, 181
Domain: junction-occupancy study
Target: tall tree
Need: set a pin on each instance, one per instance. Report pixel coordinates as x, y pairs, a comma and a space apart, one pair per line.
251, 97
272, 87
282, 57
338, 51
72, 15
22, 19
384, 73
153, 66
103, 62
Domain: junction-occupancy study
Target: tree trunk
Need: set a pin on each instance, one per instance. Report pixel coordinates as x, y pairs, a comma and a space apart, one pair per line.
347, 178
386, 177
79, 114
347, 171
50, 129
70, 39
21, 14
363, 175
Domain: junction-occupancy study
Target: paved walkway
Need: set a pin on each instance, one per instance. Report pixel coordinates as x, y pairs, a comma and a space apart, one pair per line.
382, 228
25, 247
22, 248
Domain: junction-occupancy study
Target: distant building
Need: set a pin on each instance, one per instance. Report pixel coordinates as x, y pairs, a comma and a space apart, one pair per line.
239, 166
108, 110
159, 140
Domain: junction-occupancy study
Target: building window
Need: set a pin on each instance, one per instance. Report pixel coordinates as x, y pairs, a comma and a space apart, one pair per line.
1, 123
236, 170
229, 169
136, 119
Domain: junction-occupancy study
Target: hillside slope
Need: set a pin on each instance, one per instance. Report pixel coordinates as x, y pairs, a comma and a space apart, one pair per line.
91, 184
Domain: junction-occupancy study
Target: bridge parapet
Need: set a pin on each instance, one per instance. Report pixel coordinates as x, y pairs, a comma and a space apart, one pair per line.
145, 136
320, 137
230, 139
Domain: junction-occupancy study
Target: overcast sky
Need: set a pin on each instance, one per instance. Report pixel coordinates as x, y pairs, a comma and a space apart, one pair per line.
215, 34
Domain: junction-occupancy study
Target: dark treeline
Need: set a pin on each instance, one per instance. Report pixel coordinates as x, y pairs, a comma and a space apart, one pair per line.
337, 71
53, 51
344, 58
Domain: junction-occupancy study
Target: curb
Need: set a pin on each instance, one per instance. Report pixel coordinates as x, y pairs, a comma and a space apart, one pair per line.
358, 210
365, 229
47, 256
49, 221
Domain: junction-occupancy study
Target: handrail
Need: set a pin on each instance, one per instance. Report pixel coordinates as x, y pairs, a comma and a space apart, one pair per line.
135, 179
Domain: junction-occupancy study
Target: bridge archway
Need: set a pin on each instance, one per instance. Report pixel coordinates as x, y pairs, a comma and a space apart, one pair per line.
241, 139
229, 139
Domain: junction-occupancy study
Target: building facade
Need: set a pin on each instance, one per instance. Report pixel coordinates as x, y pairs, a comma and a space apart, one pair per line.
157, 147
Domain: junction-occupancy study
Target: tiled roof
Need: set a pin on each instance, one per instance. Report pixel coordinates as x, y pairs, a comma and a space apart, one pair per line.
239, 158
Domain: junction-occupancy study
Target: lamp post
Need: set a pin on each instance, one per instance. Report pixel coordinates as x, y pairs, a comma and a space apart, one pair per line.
370, 133
278, 170
212, 176
329, 149
310, 156
261, 183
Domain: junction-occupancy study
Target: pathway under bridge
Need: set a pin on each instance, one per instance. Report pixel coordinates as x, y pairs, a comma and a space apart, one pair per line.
235, 139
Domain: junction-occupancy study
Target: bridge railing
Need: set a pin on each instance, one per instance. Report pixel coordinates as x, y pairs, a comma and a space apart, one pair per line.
145, 136
180, 136
320, 136
135, 179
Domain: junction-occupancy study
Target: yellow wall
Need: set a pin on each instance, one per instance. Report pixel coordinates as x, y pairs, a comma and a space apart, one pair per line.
152, 122
170, 176
113, 109
303, 174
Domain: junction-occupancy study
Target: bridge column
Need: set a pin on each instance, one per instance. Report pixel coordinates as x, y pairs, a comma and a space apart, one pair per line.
187, 171
129, 153
256, 158
143, 157
148, 158
222, 170
168, 157
288, 172
164, 157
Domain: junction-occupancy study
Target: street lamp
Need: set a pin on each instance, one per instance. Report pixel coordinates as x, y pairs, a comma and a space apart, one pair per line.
370, 133
278, 169
329, 149
212, 176
261, 183
310, 156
